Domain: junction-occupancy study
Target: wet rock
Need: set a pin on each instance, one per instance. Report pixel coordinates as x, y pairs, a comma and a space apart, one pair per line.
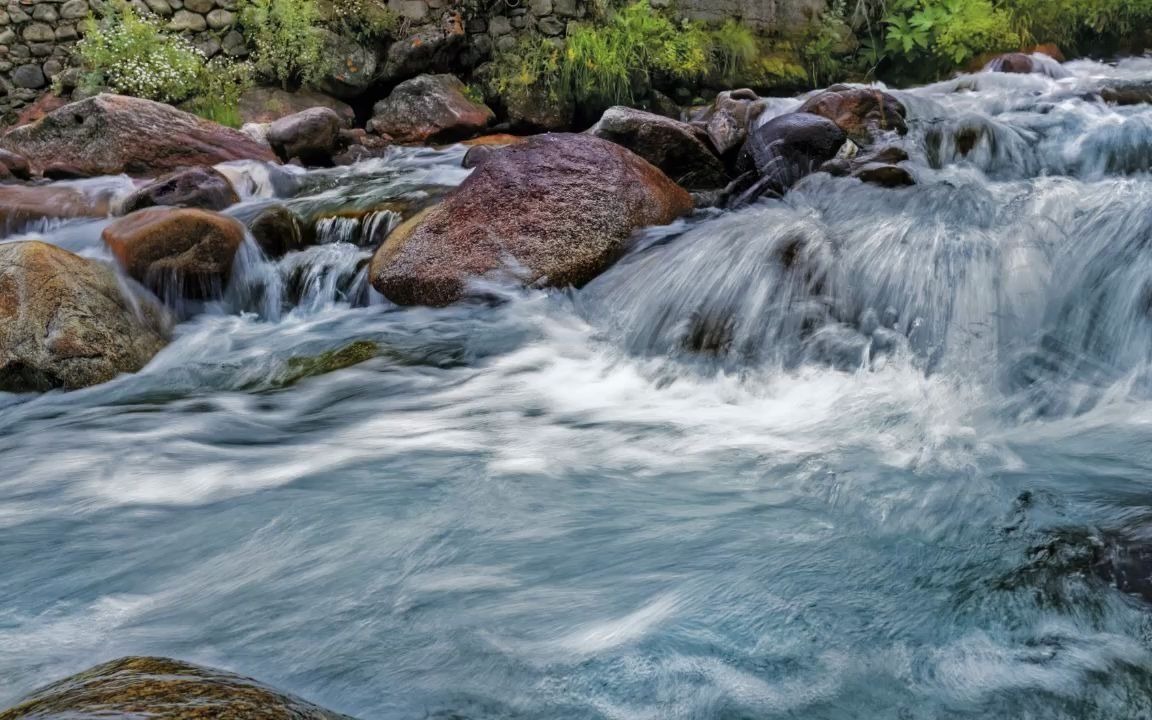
21, 205
884, 175
865, 114
670, 145
65, 322
14, 165
176, 252
112, 134
728, 118
310, 136
268, 104
201, 187
785, 149
161, 688
555, 210
279, 231
1025, 64
430, 108
348, 356
1131, 92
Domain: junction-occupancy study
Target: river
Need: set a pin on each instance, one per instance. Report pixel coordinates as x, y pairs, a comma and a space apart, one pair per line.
849, 454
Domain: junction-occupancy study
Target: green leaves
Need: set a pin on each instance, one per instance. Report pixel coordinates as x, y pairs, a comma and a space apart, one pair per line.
946, 33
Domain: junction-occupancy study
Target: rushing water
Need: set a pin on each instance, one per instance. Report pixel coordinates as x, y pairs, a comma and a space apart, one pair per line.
837, 456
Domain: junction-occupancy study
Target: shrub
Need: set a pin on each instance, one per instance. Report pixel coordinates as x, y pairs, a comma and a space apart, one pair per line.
288, 39
946, 33
366, 20
735, 49
134, 55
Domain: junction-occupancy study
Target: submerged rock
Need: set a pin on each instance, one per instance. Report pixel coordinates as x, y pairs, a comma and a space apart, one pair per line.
67, 322
555, 210
865, 114
165, 689
310, 136
201, 187
354, 353
430, 108
176, 252
670, 145
112, 134
279, 231
21, 205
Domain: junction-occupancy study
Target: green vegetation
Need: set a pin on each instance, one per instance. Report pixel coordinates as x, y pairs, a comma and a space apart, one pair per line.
134, 55
947, 33
288, 39
368, 21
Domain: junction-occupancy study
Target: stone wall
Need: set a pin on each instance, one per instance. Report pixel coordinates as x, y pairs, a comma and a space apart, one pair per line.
37, 37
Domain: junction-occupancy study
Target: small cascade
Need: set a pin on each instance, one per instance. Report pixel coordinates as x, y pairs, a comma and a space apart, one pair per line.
366, 230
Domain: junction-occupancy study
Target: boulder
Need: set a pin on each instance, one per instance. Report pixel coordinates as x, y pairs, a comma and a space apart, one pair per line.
787, 148
200, 187
164, 689
14, 165
728, 118
673, 146
112, 134
21, 205
65, 322
554, 210
352, 67
176, 252
1039, 62
884, 174
279, 231
268, 104
432, 49
430, 108
311, 136
865, 114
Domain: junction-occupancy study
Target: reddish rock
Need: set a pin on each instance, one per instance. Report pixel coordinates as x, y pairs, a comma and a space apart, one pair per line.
863, 113
1016, 63
23, 204
46, 103
430, 108
203, 188
268, 104
111, 134
14, 165
554, 210
65, 322
176, 252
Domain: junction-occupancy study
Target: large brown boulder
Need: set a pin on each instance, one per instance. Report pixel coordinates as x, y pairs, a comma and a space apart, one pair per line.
65, 322
112, 134
430, 108
555, 210
268, 104
21, 205
865, 114
176, 252
203, 188
310, 136
675, 147
163, 689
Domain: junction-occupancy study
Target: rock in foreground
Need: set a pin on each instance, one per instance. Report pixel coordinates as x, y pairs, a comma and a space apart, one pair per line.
112, 134
555, 210
23, 205
176, 252
65, 321
162, 689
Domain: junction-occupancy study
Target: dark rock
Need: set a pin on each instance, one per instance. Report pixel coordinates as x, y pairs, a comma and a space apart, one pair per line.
202, 188
268, 104
14, 165
432, 49
112, 134
279, 231
29, 76
311, 136
1017, 63
670, 145
66, 323
430, 108
166, 690
352, 67
865, 114
176, 252
555, 210
1133, 92
787, 148
884, 175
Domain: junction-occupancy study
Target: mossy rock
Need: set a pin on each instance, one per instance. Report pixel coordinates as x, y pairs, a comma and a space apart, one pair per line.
307, 366
162, 689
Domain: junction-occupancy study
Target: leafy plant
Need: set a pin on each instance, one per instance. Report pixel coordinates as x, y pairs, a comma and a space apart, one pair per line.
946, 33
133, 55
288, 39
